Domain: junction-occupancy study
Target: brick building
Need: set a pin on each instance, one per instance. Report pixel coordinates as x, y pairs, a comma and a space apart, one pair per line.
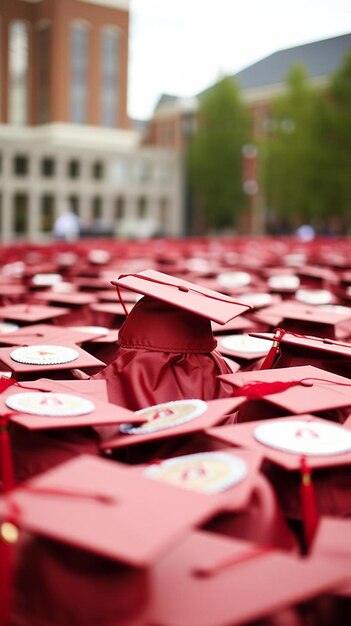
65, 135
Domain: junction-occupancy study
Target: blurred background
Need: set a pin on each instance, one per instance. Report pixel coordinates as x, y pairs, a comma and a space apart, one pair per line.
142, 118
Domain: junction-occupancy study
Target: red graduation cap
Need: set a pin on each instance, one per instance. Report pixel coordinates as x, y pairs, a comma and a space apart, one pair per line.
55, 405
294, 349
183, 294
295, 390
304, 319
75, 299
46, 333
107, 509
283, 440
172, 419
216, 579
31, 313
41, 357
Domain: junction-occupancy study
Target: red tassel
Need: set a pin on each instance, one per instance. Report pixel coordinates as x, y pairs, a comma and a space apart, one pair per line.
308, 504
7, 474
5, 383
257, 389
273, 352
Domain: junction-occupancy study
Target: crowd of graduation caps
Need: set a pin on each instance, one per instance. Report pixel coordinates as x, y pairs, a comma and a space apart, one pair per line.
86, 537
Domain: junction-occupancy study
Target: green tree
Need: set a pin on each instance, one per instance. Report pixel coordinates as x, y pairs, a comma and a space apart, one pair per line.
334, 137
214, 158
290, 152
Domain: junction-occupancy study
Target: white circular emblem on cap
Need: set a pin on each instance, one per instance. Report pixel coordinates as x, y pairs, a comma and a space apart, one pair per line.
166, 415
6, 327
304, 437
314, 296
234, 279
245, 344
50, 404
208, 472
44, 355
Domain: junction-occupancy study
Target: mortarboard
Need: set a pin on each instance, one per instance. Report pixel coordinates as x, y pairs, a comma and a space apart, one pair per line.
47, 357
237, 324
46, 333
283, 440
216, 579
305, 319
89, 388
294, 349
294, 390
76, 298
316, 276
62, 404
31, 313
108, 509
172, 419
182, 294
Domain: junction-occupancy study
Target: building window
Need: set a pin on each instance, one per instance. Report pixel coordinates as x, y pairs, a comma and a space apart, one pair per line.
43, 72
73, 168
79, 61
18, 72
96, 208
97, 170
48, 167
120, 208
20, 214
20, 165
47, 213
73, 204
109, 86
141, 207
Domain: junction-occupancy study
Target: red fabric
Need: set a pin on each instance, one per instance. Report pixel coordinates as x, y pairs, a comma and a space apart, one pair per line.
58, 585
7, 476
37, 451
164, 354
261, 522
6, 576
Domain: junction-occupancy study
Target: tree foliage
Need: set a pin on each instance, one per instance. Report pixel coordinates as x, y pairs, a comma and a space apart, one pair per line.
308, 152
214, 159
334, 133
291, 151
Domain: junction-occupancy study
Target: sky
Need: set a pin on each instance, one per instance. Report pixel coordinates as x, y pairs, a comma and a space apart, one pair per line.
180, 47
